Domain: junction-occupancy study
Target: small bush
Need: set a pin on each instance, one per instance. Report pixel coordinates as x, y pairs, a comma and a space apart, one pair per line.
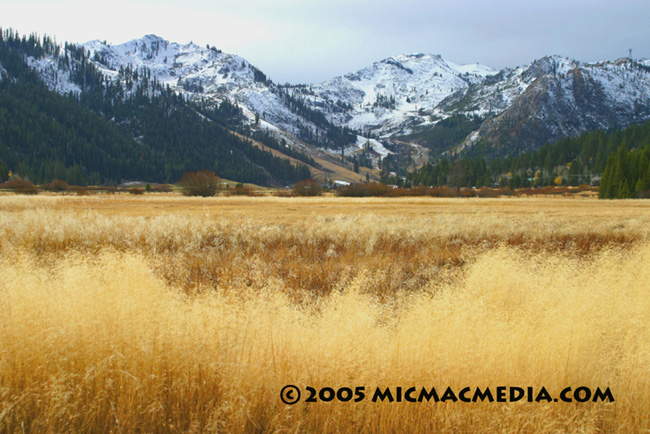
487, 192
363, 190
202, 183
137, 191
19, 186
242, 190
466, 192
505, 191
57, 186
442, 192
285, 193
307, 187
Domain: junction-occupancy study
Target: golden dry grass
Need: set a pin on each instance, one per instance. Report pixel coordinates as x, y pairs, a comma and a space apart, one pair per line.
169, 314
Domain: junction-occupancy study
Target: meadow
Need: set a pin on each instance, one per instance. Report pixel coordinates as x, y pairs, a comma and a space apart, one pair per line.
167, 314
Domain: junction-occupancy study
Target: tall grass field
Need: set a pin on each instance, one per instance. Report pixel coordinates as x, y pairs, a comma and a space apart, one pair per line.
166, 314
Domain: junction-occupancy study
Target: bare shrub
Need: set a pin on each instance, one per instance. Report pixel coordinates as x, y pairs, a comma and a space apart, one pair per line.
307, 187
57, 186
19, 186
136, 191
202, 183
363, 190
242, 190
487, 192
285, 193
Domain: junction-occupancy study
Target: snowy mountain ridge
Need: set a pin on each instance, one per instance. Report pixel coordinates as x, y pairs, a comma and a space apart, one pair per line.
530, 105
185, 67
390, 93
554, 98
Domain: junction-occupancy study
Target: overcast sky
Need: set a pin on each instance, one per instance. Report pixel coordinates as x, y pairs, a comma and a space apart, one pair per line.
301, 41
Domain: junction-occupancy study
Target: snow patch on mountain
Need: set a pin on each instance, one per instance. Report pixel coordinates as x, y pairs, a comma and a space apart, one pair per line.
375, 145
474, 69
56, 79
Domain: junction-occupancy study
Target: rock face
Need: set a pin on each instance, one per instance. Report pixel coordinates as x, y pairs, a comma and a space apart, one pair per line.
566, 101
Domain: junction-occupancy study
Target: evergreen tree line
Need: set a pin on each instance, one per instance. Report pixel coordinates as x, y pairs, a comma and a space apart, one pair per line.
385, 101
281, 145
332, 136
89, 137
446, 133
571, 161
328, 105
359, 160
627, 174
226, 114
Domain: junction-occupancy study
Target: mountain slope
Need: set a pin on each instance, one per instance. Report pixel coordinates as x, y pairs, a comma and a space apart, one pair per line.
407, 98
208, 74
396, 93
403, 97
562, 98
130, 127
405, 108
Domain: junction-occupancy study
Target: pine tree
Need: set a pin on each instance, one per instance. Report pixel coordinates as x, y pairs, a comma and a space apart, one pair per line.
605, 191
623, 190
4, 171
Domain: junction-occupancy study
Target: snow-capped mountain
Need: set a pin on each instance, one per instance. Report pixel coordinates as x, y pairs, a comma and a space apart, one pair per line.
209, 76
397, 92
188, 67
200, 73
523, 107
554, 98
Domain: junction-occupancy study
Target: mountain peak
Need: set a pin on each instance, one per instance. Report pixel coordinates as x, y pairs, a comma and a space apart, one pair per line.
549, 65
417, 56
152, 37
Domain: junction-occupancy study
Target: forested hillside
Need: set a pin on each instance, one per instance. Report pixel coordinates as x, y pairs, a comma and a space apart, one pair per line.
572, 161
627, 174
130, 127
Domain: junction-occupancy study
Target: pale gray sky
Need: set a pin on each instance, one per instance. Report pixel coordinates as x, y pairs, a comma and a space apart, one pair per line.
313, 40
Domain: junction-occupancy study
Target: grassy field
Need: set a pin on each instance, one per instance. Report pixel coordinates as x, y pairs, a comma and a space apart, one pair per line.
123, 314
